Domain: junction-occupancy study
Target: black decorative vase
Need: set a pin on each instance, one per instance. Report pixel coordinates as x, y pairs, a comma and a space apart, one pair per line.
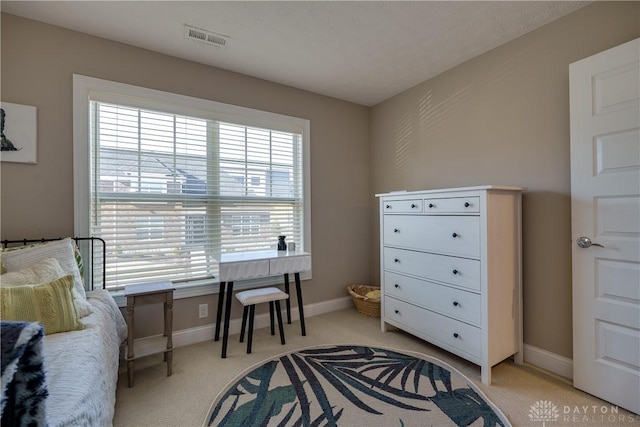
282, 246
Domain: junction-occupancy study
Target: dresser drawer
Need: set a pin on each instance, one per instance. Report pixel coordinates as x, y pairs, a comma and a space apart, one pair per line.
452, 205
456, 271
402, 206
450, 235
447, 331
461, 305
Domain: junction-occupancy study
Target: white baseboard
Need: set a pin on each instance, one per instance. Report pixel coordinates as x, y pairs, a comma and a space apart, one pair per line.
548, 361
206, 332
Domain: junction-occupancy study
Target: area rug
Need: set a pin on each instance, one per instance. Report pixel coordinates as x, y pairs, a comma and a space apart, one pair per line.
352, 385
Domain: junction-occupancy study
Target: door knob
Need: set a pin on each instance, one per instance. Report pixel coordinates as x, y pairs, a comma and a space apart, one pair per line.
584, 242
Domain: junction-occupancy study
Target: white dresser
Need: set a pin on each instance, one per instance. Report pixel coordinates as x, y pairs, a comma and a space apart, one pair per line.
450, 270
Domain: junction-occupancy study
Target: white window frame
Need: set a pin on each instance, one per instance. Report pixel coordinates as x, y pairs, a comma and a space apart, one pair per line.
89, 88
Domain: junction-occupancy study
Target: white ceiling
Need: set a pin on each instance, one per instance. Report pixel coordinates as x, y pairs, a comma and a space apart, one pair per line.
359, 51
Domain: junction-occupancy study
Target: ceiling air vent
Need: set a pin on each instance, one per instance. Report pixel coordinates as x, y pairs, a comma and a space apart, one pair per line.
205, 36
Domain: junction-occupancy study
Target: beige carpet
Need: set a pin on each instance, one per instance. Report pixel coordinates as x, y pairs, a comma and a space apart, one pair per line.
199, 374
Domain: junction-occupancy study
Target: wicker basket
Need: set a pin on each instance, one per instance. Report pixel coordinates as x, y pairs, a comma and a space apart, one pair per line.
364, 305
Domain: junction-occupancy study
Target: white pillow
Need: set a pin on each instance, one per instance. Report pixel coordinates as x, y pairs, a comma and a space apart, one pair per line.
44, 271
61, 251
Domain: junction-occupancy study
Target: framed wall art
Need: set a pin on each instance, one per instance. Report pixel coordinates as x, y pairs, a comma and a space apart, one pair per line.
19, 137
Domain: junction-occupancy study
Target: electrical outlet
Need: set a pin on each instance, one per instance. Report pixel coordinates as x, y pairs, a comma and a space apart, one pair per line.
203, 310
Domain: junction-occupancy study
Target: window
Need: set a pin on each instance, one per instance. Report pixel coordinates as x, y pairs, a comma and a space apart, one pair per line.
171, 182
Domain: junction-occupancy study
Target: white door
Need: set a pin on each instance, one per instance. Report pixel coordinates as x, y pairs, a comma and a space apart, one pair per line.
605, 210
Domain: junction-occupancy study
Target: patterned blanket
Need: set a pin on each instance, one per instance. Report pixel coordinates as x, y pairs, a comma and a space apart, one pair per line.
24, 389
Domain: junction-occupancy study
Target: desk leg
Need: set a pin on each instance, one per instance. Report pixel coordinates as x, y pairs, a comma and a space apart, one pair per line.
169, 332
130, 326
227, 315
288, 301
300, 308
219, 312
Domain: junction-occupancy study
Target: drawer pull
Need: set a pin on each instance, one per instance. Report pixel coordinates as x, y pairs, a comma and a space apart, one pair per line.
454, 235
431, 205
455, 335
455, 271
395, 230
413, 206
388, 207
397, 286
456, 303
396, 260
467, 204
397, 311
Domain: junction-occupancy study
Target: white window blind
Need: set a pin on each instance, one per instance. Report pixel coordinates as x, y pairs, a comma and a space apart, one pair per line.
170, 192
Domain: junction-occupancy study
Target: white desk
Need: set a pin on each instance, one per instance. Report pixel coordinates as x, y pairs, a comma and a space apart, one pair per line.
253, 265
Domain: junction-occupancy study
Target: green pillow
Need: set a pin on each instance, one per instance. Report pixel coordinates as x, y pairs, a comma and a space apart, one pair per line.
50, 304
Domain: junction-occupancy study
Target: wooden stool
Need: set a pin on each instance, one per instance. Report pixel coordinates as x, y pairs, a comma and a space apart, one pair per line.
249, 299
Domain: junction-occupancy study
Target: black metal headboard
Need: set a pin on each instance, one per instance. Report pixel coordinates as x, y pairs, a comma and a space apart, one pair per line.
92, 253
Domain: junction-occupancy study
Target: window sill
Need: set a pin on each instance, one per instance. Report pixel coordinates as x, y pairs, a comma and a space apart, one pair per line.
201, 289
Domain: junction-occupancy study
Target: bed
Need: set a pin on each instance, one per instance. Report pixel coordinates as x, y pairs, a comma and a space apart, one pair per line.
80, 349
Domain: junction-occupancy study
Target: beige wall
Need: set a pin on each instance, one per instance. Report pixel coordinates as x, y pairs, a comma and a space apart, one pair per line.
38, 62
503, 118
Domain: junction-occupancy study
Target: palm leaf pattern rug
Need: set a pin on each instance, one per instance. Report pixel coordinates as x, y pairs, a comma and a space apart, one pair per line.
353, 385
